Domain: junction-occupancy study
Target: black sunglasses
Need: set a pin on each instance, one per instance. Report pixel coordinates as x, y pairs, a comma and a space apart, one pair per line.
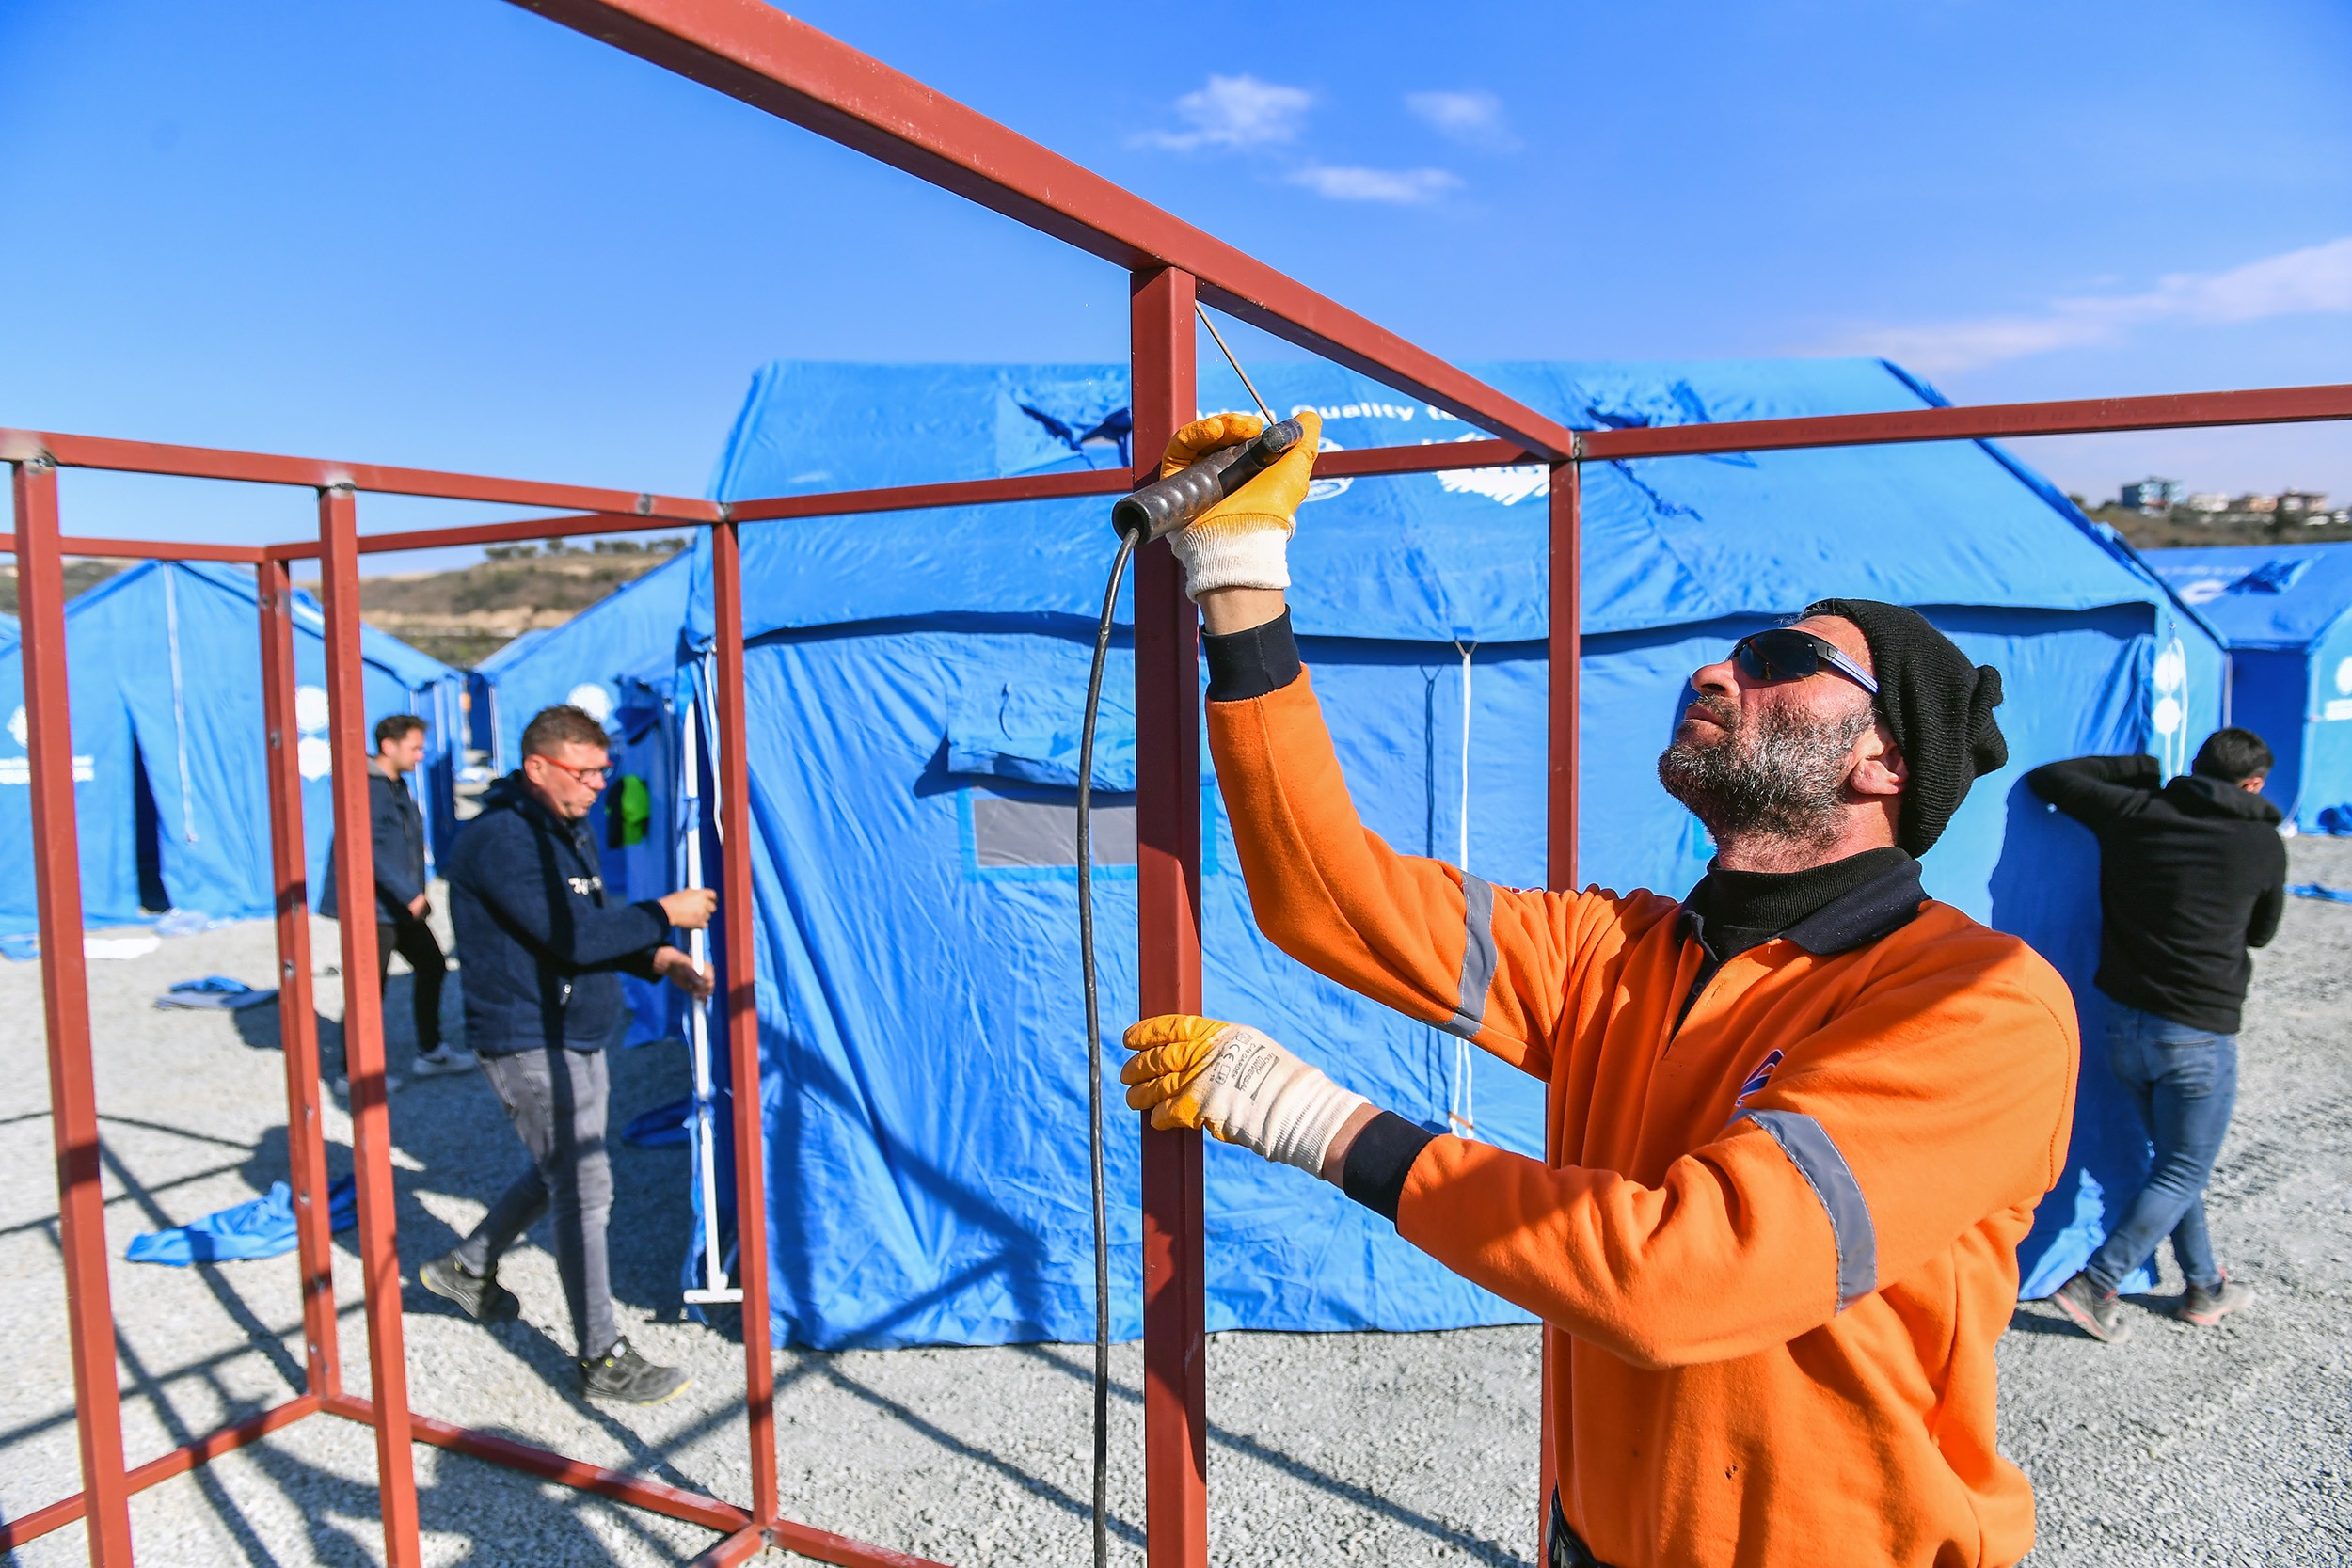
1786, 654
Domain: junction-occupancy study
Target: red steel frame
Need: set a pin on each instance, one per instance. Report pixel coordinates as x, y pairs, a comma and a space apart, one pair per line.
759, 54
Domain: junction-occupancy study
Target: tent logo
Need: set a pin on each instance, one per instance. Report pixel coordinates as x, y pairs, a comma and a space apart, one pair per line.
1324, 489
313, 714
591, 700
19, 771
2204, 591
2169, 716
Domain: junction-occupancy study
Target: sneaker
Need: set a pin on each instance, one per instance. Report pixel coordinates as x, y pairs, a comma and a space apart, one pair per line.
2205, 1307
620, 1374
481, 1297
2097, 1313
445, 1059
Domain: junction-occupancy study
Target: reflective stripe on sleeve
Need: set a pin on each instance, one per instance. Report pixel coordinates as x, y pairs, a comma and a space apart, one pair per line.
1811, 1150
1478, 956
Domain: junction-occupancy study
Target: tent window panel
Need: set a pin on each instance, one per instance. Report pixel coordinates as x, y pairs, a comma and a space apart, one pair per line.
1017, 833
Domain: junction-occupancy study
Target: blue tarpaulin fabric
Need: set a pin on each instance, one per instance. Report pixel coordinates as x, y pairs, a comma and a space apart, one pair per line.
914, 684
2322, 892
214, 994
2285, 612
260, 1228
164, 675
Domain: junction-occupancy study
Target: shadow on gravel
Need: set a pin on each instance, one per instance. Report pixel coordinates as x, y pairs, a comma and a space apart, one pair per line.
1477, 1547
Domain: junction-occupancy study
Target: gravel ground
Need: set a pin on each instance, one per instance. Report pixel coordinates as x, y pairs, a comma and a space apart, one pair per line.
2207, 1445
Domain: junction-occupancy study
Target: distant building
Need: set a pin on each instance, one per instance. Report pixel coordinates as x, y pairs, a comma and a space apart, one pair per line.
2208, 501
2151, 496
2305, 502
2257, 506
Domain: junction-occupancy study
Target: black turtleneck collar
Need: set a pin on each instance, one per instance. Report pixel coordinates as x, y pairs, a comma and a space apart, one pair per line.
1824, 909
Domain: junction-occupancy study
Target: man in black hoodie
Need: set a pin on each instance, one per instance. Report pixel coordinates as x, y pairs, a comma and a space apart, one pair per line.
2191, 875
545, 953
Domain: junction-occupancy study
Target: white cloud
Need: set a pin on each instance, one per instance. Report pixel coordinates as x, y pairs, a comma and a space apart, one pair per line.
2316, 280
1233, 112
1403, 187
1472, 118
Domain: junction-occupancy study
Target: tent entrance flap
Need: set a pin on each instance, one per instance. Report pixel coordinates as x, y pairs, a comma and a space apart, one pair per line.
147, 836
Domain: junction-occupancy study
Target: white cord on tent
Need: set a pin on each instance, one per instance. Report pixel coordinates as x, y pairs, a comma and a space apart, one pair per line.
715, 1287
1460, 1113
179, 705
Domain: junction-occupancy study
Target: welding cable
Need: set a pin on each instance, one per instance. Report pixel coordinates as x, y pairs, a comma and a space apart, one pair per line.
1094, 1056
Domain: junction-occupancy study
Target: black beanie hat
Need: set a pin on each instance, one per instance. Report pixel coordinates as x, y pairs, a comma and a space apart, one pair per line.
1939, 708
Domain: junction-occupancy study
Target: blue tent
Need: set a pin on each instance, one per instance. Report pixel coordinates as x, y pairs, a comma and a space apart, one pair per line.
2285, 611
164, 671
581, 662
914, 684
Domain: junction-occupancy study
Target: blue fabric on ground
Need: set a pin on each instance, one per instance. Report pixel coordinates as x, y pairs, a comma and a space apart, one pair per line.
2321, 891
662, 1127
260, 1228
2285, 612
913, 682
215, 992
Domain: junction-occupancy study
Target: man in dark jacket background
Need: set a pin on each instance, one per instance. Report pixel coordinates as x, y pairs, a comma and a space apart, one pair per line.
544, 952
403, 905
2191, 875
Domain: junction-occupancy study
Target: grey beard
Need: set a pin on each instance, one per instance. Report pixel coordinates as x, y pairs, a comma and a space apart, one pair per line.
1778, 775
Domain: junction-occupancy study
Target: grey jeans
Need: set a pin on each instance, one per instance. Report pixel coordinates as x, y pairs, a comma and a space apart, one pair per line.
556, 1100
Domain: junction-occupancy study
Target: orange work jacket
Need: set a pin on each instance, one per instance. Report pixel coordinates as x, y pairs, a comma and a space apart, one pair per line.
1777, 1241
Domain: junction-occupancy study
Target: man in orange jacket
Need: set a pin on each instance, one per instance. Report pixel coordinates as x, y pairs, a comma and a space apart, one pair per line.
1799, 1120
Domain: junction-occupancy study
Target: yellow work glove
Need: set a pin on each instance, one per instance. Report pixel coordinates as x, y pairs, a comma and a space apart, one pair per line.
1237, 1085
1242, 541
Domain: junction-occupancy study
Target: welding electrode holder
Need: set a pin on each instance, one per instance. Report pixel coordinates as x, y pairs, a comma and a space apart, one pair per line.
1168, 504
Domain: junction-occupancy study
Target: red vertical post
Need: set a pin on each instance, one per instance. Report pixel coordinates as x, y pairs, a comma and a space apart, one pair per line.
1168, 852
742, 1012
1565, 677
65, 1006
363, 1022
297, 1016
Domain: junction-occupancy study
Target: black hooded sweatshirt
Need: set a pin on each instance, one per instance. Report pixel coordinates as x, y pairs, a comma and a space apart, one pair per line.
2191, 874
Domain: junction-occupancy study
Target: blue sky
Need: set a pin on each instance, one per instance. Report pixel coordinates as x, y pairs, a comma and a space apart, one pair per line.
448, 233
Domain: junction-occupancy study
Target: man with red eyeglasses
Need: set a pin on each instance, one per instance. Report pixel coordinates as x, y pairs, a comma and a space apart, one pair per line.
545, 951
1800, 1119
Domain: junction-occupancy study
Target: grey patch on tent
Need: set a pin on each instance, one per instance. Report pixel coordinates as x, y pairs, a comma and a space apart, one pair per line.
1006, 832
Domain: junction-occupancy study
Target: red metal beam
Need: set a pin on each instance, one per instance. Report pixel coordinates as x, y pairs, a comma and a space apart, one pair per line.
1564, 720
1168, 853
825, 1546
363, 1024
151, 549
677, 1502
297, 1016
65, 1005
523, 530
2082, 417
918, 497
756, 53
252, 468
733, 771
179, 1462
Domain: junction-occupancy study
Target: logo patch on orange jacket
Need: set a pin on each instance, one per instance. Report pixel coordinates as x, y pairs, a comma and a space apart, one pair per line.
1757, 1080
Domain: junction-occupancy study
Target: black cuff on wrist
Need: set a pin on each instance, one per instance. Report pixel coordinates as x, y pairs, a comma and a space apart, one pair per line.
1380, 1159
1246, 664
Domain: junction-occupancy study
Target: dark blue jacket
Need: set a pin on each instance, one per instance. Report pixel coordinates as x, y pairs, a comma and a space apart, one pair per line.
396, 828
543, 951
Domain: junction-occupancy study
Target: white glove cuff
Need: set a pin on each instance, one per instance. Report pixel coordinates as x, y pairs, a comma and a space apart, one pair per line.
1304, 1118
1228, 556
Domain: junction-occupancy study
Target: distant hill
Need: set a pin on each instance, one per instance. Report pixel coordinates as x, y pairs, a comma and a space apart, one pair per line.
79, 575
462, 617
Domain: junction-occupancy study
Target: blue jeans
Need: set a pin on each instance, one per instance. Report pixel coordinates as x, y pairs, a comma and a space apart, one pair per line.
2184, 1082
